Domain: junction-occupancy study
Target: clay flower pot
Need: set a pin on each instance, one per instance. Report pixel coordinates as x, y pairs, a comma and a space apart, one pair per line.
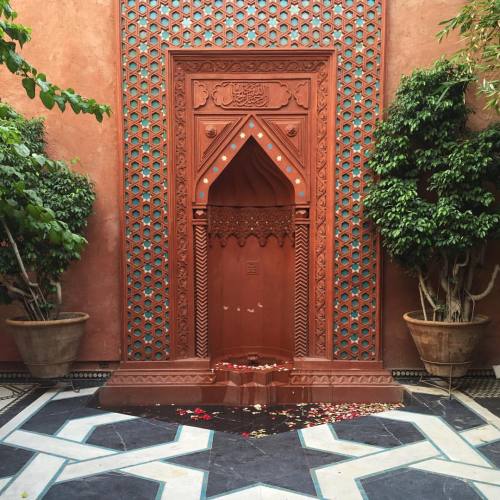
48, 348
446, 349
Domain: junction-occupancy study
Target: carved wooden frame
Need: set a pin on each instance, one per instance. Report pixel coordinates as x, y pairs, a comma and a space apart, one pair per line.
188, 222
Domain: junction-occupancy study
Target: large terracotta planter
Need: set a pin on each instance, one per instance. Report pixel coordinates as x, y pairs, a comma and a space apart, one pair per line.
446, 349
48, 348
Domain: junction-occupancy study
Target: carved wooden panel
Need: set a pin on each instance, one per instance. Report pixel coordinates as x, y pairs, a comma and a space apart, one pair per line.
311, 183
248, 94
230, 143
201, 288
301, 285
243, 222
354, 29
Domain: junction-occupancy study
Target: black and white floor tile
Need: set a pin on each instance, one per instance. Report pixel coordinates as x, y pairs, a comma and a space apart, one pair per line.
10, 394
57, 446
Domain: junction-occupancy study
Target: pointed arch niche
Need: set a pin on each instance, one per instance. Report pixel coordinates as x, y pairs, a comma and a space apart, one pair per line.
251, 258
251, 239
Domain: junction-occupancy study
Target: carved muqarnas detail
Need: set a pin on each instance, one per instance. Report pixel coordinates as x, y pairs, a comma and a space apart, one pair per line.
242, 222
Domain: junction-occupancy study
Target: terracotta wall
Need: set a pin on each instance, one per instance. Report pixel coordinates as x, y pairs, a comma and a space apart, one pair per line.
410, 43
76, 44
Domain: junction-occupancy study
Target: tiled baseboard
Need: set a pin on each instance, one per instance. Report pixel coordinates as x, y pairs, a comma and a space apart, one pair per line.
415, 373
25, 377
6, 376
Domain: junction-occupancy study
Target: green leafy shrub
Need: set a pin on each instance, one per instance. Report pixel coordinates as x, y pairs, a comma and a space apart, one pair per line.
44, 208
478, 24
13, 36
434, 200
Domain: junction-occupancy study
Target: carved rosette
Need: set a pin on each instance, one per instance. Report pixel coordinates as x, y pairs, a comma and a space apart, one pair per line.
159, 378
328, 378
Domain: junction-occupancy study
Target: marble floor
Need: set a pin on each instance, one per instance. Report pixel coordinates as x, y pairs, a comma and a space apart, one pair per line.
57, 444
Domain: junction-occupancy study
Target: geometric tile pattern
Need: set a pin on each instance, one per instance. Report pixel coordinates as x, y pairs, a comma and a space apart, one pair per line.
12, 393
421, 447
66, 456
480, 388
149, 28
443, 452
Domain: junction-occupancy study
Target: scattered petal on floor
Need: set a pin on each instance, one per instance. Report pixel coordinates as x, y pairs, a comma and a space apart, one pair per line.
259, 420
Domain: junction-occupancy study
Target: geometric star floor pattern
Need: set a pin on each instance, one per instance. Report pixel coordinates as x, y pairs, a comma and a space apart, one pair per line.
54, 446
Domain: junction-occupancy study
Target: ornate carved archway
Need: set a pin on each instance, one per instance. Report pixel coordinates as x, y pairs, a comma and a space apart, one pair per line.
286, 104
285, 101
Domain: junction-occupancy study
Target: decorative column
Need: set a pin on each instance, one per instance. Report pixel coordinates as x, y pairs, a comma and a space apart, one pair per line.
201, 282
301, 300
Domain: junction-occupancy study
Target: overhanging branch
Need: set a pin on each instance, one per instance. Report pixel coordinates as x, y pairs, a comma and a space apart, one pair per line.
488, 288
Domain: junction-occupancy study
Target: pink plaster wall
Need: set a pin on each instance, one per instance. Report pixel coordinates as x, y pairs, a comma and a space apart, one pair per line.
410, 43
75, 43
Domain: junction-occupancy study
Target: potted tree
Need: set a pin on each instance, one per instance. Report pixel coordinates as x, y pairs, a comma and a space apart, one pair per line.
44, 208
434, 206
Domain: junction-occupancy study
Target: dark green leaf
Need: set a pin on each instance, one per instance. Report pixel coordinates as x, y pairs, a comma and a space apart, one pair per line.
29, 85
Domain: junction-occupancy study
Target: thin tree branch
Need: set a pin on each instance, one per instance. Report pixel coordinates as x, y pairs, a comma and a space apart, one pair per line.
489, 287
13, 289
468, 315
458, 265
18, 256
57, 285
422, 302
426, 291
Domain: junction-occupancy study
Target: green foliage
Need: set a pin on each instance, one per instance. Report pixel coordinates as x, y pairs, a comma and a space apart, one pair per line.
478, 23
12, 38
434, 200
44, 208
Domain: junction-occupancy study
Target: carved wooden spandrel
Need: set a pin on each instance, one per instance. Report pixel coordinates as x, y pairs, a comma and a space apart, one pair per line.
221, 153
292, 131
210, 131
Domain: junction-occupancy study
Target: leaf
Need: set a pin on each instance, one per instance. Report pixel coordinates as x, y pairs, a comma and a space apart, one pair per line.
29, 85
75, 106
13, 61
42, 83
55, 236
48, 99
60, 101
39, 159
21, 150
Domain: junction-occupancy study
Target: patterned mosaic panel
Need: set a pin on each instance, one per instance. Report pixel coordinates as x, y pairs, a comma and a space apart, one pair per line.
149, 28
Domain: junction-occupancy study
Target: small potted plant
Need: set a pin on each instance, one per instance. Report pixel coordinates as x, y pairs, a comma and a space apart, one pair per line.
434, 205
44, 208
